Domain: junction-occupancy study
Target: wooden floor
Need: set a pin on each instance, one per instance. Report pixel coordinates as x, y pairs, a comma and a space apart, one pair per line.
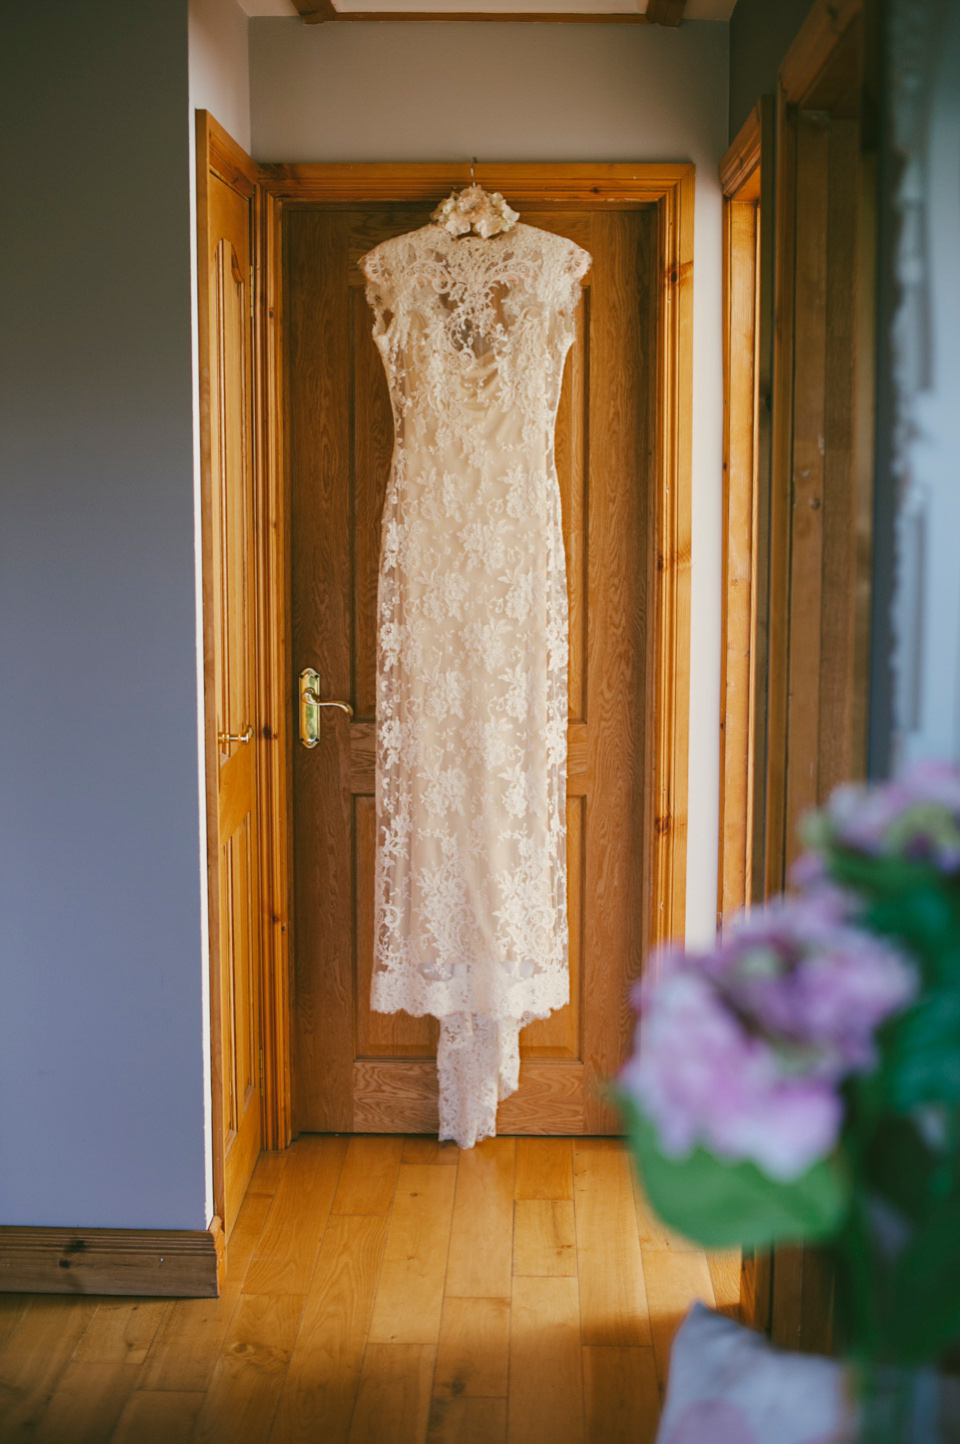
391, 1290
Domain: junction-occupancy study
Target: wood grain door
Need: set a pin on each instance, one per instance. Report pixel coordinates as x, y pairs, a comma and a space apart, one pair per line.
231, 636
370, 1072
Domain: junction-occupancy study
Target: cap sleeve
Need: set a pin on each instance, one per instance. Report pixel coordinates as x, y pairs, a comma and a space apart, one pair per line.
577, 264
375, 265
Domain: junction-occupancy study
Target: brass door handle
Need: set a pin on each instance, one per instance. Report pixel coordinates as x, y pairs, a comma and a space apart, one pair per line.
312, 700
310, 704
236, 736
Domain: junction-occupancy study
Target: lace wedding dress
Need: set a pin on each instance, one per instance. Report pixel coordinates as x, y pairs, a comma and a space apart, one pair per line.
472, 649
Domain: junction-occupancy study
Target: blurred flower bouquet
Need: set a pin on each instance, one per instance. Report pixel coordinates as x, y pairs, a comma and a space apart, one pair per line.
802, 1080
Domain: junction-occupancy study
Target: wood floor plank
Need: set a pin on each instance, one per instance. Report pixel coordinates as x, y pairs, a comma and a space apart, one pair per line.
545, 1399
409, 1297
87, 1403
474, 1349
654, 1233
674, 1281
613, 1300
544, 1238
35, 1358
12, 1309
467, 1421
289, 1241
242, 1396
369, 1174
324, 1372
244, 1237
268, 1172
121, 1331
481, 1239
165, 1416
373, 1336
187, 1344
724, 1266
393, 1401
429, 1150
544, 1168
621, 1395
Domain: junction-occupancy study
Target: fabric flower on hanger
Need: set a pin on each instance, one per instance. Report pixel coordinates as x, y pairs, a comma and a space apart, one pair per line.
475, 211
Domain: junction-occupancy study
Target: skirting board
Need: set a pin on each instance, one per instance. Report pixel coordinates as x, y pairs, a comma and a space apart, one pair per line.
169, 1263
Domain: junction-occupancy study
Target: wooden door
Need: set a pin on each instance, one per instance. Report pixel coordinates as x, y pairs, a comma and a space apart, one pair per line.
230, 604
370, 1072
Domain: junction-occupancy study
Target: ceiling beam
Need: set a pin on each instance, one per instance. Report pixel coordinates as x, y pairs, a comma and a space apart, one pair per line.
665, 12
316, 12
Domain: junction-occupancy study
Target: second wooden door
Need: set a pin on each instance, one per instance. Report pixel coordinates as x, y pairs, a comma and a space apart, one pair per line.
230, 621
369, 1072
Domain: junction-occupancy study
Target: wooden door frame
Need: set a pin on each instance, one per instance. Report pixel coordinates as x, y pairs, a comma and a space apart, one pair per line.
801, 1281
670, 188
804, 83
747, 180
600, 186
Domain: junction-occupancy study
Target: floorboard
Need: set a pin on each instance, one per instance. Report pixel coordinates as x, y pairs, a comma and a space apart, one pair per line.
613, 1300
473, 1355
386, 1289
545, 1398
481, 1237
324, 1372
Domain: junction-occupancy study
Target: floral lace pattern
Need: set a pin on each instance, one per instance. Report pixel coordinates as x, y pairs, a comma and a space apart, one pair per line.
472, 650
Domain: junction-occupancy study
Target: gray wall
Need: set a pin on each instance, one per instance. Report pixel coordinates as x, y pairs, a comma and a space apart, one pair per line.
101, 1020
760, 35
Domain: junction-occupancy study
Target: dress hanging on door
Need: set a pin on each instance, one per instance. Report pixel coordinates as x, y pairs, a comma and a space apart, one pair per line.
473, 322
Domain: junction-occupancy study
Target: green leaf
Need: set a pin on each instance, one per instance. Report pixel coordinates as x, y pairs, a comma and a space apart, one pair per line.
898, 1165
925, 1313
907, 900
721, 1204
921, 1061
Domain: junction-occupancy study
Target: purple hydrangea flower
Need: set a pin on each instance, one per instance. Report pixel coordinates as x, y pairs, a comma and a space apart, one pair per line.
742, 1049
915, 816
801, 974
701, 1078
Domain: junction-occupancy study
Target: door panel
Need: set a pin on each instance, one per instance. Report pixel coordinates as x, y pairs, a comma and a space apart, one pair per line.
236, 934
373, 1072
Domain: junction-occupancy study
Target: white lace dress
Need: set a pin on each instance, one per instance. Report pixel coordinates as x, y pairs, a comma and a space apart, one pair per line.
472, 650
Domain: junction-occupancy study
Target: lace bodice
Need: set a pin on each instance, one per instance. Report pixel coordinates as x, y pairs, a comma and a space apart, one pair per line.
468, 326
472, 649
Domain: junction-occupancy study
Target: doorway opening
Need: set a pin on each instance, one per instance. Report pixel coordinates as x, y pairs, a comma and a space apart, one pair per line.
322, 440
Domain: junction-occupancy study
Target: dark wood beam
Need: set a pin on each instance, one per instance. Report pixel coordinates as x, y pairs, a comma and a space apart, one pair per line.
316, 12
665, 12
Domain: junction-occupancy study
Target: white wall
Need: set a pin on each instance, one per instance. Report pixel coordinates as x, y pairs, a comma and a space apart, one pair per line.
220, 64
542, 92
